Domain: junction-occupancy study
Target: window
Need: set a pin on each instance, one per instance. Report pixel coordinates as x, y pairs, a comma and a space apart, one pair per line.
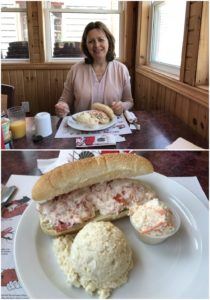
167, 31
14, 32
65, 22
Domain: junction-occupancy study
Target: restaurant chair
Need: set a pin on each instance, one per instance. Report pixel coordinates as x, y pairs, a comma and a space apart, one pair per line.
7, 96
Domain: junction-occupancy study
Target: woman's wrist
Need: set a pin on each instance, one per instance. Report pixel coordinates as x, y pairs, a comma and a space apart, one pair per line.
62, 109
127, 105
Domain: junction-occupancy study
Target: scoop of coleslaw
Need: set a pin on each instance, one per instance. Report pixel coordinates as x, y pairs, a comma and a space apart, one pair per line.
153, 218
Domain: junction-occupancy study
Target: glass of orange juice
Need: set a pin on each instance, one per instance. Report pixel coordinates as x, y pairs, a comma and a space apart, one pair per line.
16, 115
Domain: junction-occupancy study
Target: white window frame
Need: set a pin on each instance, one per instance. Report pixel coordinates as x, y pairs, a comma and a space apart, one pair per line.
168, 68
14, 60
47, 11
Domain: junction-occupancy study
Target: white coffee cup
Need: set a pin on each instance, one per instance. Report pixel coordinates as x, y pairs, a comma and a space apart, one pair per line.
43, 124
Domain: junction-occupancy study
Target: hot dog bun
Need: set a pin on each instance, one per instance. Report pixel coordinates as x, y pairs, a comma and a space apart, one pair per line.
89, 171
104, 108
79, 176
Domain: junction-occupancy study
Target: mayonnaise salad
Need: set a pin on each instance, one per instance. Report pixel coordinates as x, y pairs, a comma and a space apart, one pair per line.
98, 259
153, 219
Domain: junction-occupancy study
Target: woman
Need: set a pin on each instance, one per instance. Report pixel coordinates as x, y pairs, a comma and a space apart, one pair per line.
99, 78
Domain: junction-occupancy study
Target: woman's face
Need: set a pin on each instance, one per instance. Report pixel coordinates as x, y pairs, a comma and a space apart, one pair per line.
97, 44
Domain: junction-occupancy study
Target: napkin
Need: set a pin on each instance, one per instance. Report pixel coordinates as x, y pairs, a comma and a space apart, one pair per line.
132, 120
119, 138
183, 144
130, 117
66, 156
45, 165
193, 185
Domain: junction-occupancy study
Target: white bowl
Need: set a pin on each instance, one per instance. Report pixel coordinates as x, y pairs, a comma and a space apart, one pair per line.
152, 240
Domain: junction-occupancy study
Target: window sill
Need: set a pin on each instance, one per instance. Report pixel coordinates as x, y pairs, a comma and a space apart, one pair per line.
15, 61
165, 69
203, 87
50, 65
152, 69
64, 60
172, 82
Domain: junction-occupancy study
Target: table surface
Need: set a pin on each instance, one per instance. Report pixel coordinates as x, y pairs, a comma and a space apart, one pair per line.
168, 163
158, 130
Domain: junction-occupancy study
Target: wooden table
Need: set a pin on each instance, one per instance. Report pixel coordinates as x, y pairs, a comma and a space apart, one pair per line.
168, 163
158, 130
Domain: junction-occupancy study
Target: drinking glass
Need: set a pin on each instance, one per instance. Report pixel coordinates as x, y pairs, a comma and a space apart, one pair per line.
16, 115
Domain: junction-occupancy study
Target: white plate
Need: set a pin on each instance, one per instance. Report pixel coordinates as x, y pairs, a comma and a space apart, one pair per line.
76, 125
177, 268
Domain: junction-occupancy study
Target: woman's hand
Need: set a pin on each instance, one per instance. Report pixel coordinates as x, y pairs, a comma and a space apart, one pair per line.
61, 109
117, 107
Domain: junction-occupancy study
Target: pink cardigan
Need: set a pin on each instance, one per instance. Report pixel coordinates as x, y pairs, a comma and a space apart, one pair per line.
82, 87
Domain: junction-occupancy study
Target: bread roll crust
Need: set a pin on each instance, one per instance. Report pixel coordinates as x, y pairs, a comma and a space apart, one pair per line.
89, 171
104, 108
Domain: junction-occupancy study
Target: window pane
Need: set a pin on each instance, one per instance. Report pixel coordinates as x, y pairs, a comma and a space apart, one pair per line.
14, 35
13, 4
86, 4
168, 30
68, 27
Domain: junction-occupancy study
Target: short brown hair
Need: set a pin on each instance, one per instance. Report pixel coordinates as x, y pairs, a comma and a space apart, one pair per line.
98, 25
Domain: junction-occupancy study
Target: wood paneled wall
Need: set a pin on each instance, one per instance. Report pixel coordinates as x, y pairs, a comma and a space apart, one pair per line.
153, 95
40, 86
